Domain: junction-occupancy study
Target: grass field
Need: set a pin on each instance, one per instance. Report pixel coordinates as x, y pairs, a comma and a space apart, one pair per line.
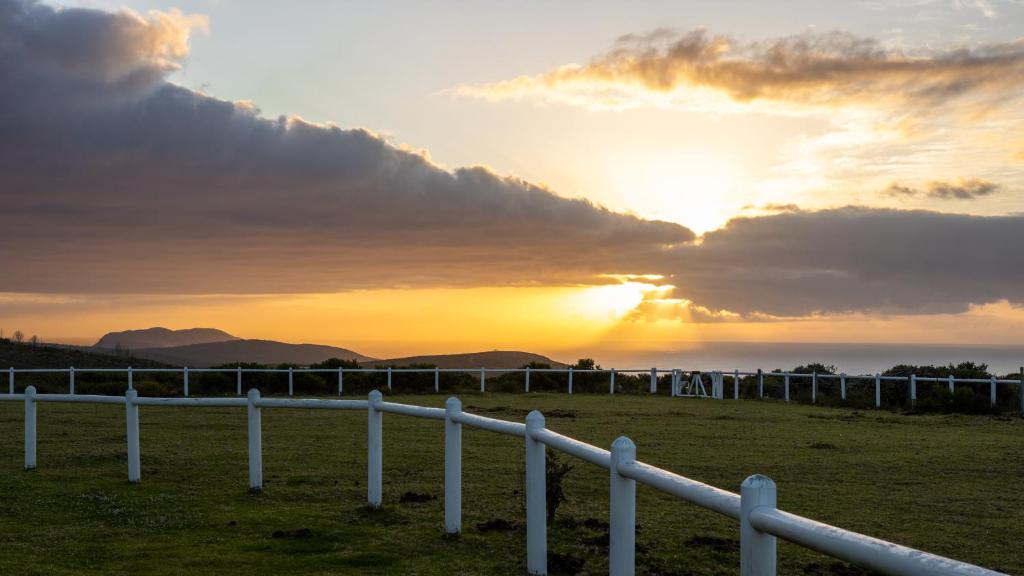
946, 484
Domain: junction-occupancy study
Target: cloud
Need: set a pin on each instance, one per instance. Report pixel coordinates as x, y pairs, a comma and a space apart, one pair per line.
964, 189
698, 70
117, 181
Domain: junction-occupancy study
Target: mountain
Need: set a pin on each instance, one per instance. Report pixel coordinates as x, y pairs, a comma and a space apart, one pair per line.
161, 338
258, 351
58, 356
493, 359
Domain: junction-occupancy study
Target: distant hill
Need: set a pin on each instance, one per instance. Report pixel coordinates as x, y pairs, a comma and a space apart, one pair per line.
493, 359
50, 356
162, 338
258, 351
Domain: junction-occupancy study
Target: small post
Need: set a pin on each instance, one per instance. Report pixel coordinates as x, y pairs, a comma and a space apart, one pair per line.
736, 385
452, 467
437, 380
389, 379
814, 387
10, 380
341, 381
131, 381
132, 422
185, 377
238, 381
622, 511
71, 380
255, 420
527, 381
374, 445
992, 392
30, 427
570, 380
952, 384
536, 499
757, 549
842, 386
760, 383
483, 376
291, 381
611, 382
913, 390
654, 380
786, 383
1020, 391
878, 390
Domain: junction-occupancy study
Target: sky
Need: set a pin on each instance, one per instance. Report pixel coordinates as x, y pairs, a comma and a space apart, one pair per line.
576, 177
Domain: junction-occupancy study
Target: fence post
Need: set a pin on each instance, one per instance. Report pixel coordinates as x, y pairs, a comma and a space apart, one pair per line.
10, 380
760, 383
786, 382
654, 380
185, 376
291, 382
527, 381
131, 381
757, 549
611, 382
483, 376
238, 381
814, 387
570, 380
255, 419
992, 392
878, 390
536, 499
1020, 392
132, 422
622, 511
437, 380
389, 378
341, 381
374, 458
30, 427
452, 467
675, 381
736, 385
913, 390
952, 384
71, 380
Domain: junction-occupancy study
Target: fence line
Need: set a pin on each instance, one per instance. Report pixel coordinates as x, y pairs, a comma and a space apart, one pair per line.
678, 383
761, 522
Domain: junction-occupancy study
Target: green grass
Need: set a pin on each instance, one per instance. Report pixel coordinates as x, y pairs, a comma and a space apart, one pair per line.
946, 484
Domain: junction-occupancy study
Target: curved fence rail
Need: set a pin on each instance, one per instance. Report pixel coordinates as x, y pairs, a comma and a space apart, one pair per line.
761, 522
681, 382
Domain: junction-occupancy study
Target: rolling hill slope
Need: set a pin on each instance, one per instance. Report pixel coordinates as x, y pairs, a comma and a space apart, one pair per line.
258, 351
492, 359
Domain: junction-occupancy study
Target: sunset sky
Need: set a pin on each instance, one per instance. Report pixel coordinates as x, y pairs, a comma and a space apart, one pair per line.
606, 177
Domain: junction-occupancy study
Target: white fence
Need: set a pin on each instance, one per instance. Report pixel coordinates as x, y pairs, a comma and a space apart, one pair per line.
761, 522
678, 379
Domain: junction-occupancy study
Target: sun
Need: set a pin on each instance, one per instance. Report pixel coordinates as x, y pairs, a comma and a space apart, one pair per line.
612, 301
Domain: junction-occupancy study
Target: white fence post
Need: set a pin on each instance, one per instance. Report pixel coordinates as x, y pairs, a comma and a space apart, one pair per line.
736, 385
255, 419
570, 380
675, 381
611, 382
131, 381
374, 447
185, 379
760, 383
452, 467
291, 381
71, 380
878, 390
238, 381
622, 511
913, 390
758, 552
483, 377
30, 427
10, 380
842, 386
389, 378
132, 423
814, 387
527, 380
536, 499
952, 384
786, 383
992, 391
341, 381
654, 380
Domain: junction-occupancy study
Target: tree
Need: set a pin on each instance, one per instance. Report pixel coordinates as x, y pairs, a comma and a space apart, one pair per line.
585, 364
18, 336
34, 340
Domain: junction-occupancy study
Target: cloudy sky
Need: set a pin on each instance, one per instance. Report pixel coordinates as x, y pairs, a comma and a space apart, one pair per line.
407, 177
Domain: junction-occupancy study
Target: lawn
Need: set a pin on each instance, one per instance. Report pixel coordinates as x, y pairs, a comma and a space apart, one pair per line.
946, 484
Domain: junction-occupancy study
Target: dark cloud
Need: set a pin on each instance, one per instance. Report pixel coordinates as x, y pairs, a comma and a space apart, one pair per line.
966, 189
826, 69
